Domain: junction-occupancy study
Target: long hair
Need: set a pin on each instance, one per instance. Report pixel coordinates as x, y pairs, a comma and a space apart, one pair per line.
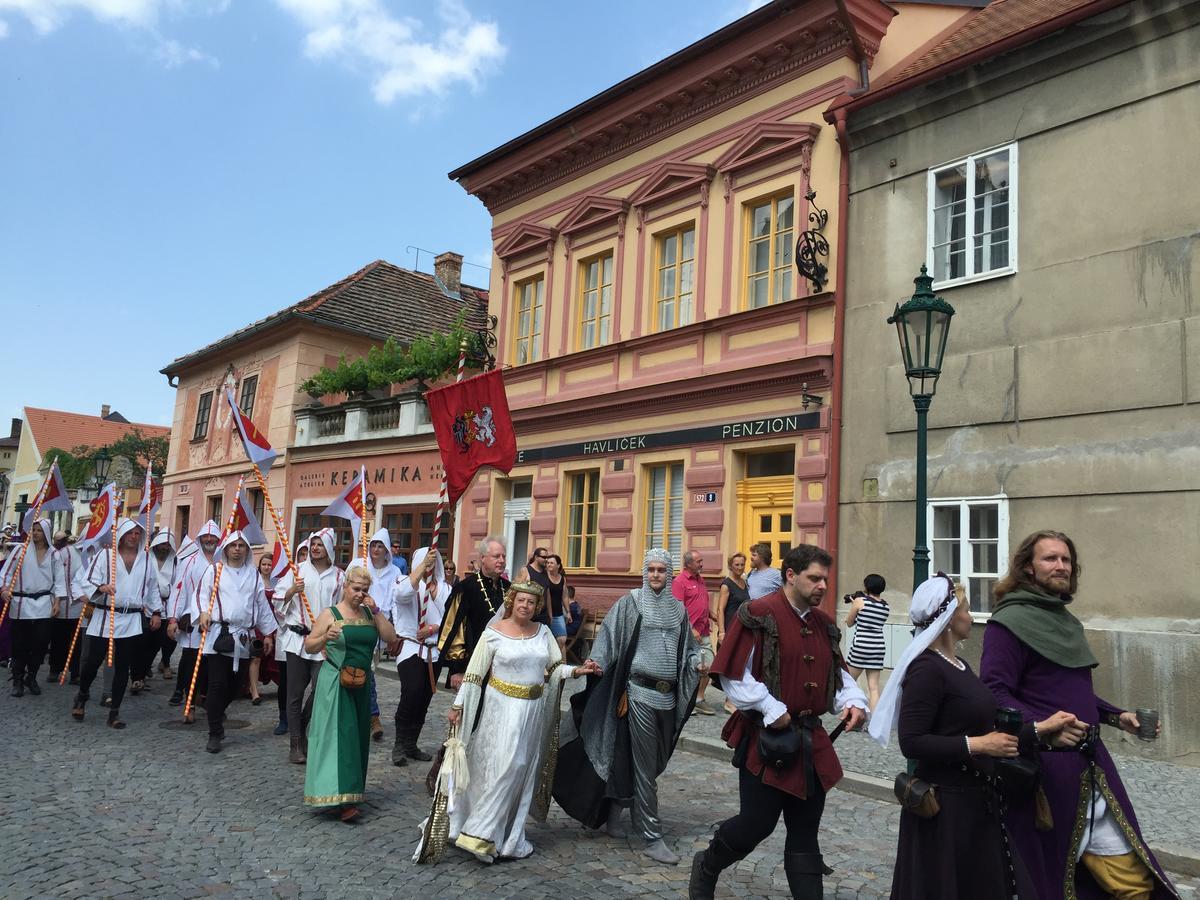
1017, 577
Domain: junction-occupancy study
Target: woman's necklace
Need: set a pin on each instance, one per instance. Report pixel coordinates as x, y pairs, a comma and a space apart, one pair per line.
492, 607
956, 662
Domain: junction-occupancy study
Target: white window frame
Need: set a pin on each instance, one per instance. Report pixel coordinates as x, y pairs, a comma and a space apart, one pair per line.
969, 237
965, 557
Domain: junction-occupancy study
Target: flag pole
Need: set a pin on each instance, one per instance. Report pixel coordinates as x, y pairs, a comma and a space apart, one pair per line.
83, 615
362, 522
147, 493
112, 580
281, 532
37, 508
212, 599
443, 497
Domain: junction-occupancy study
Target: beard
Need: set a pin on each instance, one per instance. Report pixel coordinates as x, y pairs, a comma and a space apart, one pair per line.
1054, 584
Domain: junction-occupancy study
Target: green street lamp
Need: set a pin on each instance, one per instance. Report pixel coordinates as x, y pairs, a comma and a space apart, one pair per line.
103, 462
922, 324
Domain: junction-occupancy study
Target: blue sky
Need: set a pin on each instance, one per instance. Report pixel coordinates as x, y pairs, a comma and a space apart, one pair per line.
175, 169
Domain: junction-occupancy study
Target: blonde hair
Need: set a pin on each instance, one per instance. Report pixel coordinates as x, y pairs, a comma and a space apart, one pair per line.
358, 571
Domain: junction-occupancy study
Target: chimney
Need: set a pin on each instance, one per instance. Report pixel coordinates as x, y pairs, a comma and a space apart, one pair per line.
105, 409
16, 428
448, 269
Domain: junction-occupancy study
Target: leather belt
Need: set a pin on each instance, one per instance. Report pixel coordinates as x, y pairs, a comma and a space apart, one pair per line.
128, 609
36, 596
653, 684
300, 630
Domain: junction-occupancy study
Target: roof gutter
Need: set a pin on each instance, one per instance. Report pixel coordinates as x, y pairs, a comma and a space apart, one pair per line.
851, 103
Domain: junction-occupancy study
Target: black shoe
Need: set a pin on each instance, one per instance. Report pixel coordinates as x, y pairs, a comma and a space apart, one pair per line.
106, 700
399, 756
214, 744
415, 752
34, 688
805, 874
707, 866
18, 689
176, 698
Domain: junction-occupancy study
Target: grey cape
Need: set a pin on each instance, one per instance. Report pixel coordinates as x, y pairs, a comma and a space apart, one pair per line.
595, 763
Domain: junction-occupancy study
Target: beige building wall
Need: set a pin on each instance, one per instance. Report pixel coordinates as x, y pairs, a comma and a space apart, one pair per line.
1070, 388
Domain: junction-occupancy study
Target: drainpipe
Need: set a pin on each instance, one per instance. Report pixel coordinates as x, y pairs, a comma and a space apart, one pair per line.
832, 504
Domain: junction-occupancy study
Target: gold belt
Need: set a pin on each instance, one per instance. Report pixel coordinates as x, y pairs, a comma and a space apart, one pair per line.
520, 691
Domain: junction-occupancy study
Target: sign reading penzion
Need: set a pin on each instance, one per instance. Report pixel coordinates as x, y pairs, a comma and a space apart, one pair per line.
625, 443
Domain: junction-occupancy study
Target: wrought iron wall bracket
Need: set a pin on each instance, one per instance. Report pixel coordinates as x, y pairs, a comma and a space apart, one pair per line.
812, 245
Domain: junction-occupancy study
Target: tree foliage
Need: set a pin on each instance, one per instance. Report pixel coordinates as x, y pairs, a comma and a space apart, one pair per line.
78, 464
426, 360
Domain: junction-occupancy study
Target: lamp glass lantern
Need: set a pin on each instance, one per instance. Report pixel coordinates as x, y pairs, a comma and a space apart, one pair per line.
922, 325
103, 463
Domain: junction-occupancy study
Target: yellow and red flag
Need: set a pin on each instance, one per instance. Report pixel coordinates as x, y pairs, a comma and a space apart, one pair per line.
257, 447
352, 502
98, 531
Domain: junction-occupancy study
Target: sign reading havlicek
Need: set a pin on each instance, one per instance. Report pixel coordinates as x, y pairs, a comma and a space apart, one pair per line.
746, 428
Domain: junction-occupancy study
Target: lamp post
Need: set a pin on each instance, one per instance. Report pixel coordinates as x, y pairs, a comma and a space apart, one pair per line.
922, 324
20, 508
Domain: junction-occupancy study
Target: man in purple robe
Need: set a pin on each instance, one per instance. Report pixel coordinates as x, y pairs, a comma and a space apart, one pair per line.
1036, 659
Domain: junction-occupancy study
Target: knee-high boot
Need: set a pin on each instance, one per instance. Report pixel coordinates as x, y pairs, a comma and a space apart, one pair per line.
707, 866
805, 875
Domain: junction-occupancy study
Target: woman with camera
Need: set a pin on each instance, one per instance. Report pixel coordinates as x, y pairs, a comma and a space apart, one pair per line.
339, 732
954, 846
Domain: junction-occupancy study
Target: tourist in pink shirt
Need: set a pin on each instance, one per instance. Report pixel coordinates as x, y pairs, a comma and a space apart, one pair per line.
688, 588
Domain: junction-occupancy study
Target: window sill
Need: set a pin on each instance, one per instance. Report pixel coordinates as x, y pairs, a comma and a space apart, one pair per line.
972, 279
199, 440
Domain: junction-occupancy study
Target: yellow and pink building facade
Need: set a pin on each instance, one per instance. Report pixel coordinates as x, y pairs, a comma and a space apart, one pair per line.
673, 378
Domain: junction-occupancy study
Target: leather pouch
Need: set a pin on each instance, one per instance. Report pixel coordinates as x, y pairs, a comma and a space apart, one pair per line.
917, 796
351, 677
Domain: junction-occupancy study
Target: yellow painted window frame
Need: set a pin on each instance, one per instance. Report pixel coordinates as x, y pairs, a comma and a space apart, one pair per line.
649, 538
538, 302
660, 240
748, 238
581, 291
590, 477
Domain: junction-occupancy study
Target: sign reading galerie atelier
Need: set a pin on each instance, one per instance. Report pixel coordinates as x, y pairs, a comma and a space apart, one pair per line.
746, 428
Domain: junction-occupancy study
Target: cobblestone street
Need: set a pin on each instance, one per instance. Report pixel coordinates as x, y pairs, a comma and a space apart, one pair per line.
89, 812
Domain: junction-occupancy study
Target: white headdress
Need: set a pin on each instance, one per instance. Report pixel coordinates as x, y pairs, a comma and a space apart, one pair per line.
933, 605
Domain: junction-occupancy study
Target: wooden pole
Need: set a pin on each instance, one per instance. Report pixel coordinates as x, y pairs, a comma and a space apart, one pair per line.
212, 599
37, 508
283, 538
87, 611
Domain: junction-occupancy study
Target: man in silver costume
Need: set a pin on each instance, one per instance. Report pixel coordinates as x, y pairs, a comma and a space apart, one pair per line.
628, 720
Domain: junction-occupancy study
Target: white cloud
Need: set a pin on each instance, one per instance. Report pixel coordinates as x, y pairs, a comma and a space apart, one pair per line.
399, 54
140, 17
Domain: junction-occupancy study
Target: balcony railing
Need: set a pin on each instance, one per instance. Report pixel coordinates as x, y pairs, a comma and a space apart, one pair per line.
361, 420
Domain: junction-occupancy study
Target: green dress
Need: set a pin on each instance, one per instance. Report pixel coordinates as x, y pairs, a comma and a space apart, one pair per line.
339, 731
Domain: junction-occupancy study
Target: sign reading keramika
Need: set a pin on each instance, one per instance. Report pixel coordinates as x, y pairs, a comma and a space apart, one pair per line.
787, 424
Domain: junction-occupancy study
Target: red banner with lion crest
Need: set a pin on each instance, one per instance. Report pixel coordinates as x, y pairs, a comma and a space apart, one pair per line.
473, 428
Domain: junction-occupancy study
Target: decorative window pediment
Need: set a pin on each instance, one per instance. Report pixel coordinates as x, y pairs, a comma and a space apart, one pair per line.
768, 141
671, 179
526, 238
592, 211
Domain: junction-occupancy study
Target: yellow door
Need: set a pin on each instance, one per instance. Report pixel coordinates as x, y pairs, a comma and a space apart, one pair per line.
765, 510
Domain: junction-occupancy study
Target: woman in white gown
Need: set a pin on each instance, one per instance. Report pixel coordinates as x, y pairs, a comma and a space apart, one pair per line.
516, 673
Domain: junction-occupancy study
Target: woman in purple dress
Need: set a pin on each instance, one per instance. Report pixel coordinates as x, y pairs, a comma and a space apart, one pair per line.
1036, 659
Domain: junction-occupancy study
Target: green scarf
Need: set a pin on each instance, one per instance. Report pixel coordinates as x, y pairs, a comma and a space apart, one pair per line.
1043, 623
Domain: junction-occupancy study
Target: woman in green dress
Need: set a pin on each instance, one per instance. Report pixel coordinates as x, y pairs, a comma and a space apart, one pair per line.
339, 732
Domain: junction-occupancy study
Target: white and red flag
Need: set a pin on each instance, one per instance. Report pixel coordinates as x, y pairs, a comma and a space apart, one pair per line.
54, 497
151, 501
260, 451
98, 531
243, 519
279, 563
352, 502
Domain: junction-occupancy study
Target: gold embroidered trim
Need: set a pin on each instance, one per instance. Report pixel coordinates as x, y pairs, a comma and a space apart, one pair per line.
472, 678
553, 666
1118, 814
520, 691
332, 799
475, 845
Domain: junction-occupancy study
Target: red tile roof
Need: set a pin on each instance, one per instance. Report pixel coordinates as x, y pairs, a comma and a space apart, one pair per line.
66, 430
1000, 26
380, 300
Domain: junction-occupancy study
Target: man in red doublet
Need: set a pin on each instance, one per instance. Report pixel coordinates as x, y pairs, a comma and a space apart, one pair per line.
782, 667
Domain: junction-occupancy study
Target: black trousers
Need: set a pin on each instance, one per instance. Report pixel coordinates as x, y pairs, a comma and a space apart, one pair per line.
300, 673
761, 806
415, 695
61, 633
281, 695
165, 644
95, 655
183, 678
30, 641
220, 690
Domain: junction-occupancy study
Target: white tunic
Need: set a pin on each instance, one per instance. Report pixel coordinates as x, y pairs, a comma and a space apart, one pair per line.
406, 611
69, 572
324, 591
184, 593
240, 607
137, 590
36, 576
